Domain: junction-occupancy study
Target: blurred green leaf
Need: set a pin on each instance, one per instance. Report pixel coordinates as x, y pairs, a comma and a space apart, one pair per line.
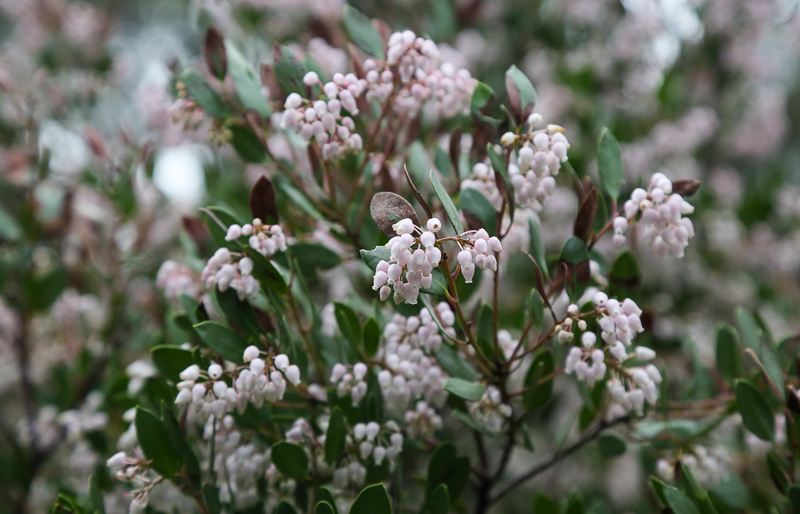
609, 163
290, 459
476, 202
335, 436
372, 336
348, 323
756, 413
728, 353
155, 444
538, 394
611, 445
223, 341
361, 31
470, 391
372, 500
247, 82
447, 203
202, 93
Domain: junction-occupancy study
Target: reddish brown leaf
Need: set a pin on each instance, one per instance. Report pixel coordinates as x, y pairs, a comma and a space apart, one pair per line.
389, 208
455, 148
686, 187
588, 210
263, 204
514, 97
214, 52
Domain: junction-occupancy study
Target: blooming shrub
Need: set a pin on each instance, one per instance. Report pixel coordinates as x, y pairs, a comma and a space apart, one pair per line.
383, 269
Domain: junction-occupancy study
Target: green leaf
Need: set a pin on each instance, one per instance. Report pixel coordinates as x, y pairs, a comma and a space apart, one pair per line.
312, 257
199, 91
538, 394
521, 93
238, 313
171, 361
372, 257
756, 413
265, 272
9, 228
543, 504
480, 95
611, 445
247, 82
284, 507
769, 359
372, 336
658, 487
247, 144
96, 504
748, 328
417, 161
223, 341
178, 441
626, 271
441, 161
678, 501
348, 323
476, 202
537, 243
289, 72
440, 500
484, 330
211, 496
794, 498
537, 309
609, 163
445, 468
454, 365
325, 494
290, 459
575, 504
323, 507
335, 437
372, 500
501, 177
155, 443
361, 31
574, 251
469, 391
447, 203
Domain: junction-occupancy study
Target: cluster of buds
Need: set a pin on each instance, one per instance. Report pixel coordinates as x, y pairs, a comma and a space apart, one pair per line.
322, 119
662, 212
709, 466
223, 272
490, 411
133, 469
185, 110
378, 442
538, 162
619, 322
263, 380
265, 239
410, 371
483, 180
423, 420
412, 258
477, 250
350, 382
242, 462
178, 279
414, 63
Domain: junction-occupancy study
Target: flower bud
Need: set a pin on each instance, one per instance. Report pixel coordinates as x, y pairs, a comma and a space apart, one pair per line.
215, 371
508, 139
293, 374
234, 231
310, 78
281, 362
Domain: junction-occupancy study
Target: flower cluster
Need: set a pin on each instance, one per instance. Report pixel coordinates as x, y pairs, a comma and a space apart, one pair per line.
439, 88
478, 252
323, 120
265, 239
490, 411
619, 323
410, 371
483, 180
538, 162
178, 279
412, 258
223, 272
263, 380
241, 463
662, 212
709, 466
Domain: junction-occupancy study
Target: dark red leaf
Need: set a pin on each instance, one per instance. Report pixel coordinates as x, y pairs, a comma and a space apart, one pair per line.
263, 204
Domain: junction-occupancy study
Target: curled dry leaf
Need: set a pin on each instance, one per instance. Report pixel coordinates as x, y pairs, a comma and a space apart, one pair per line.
389, 208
